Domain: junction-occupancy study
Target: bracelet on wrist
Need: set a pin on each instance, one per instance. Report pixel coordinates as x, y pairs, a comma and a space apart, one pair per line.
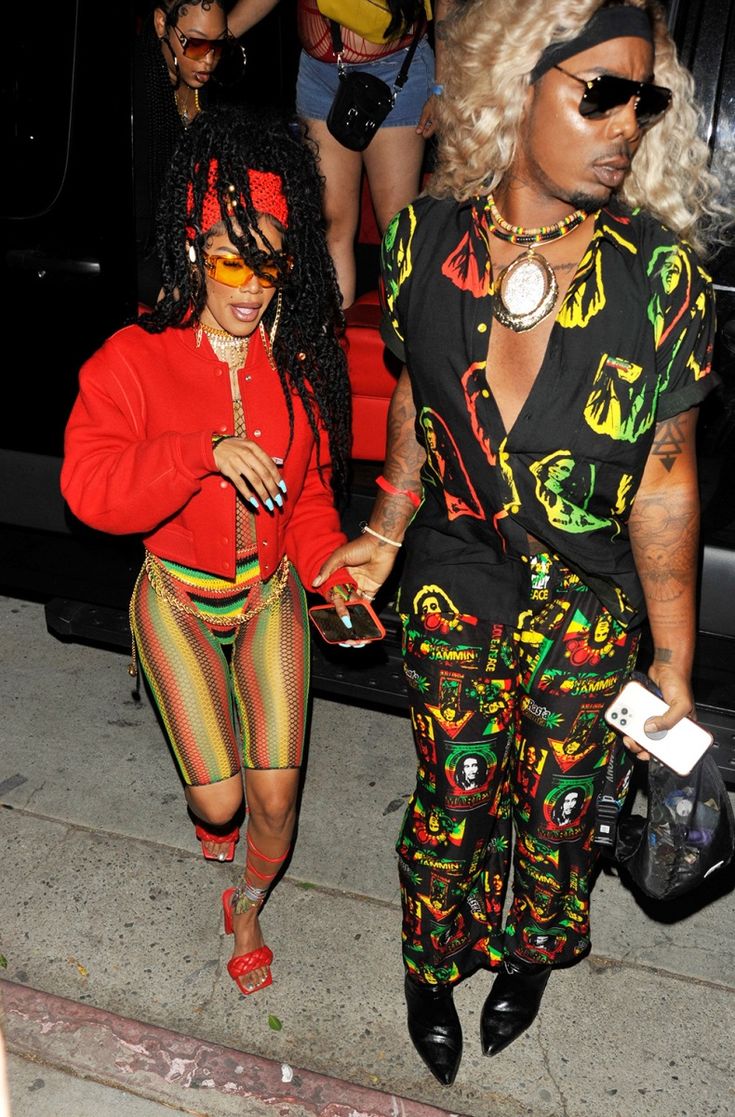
387, 487
341, 590
364, 529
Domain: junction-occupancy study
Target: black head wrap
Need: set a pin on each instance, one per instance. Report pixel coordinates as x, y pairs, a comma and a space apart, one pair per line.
614, 22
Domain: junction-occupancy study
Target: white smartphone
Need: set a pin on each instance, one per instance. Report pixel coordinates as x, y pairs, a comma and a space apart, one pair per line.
679, 748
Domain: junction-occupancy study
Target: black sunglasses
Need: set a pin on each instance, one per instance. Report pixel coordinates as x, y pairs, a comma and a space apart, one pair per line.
606, 92
198, 49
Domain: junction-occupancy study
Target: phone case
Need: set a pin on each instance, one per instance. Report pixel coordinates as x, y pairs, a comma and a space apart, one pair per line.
679, 748
366, 625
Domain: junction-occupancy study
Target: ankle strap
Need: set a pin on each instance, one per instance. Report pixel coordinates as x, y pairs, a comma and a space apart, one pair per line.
261, 876
263, 856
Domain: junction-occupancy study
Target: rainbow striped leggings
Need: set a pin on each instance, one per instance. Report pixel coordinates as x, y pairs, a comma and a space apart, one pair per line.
211, 689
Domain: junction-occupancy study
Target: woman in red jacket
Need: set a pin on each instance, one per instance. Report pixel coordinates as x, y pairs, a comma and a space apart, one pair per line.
218, 428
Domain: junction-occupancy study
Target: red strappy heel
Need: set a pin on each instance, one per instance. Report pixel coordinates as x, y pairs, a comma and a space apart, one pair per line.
230, 840
243, 964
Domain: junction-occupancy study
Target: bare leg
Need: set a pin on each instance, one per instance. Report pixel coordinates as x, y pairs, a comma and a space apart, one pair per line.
393, 164
216, 804
271, 799
342, 171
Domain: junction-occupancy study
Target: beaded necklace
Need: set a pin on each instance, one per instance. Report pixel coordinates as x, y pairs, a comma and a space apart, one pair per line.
516, 234
525, 291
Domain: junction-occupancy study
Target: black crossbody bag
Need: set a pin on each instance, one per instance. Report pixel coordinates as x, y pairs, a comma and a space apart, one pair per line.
362, 101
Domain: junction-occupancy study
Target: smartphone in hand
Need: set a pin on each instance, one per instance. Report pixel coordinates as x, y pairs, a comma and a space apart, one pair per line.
679, 747
366, 624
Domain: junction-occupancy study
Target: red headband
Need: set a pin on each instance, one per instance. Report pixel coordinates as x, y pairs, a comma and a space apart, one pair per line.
266, 191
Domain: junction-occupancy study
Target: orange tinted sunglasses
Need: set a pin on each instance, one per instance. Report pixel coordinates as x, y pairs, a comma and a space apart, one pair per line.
234, 272
198, 49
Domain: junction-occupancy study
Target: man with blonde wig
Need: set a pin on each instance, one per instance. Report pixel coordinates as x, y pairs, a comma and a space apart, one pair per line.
556, 324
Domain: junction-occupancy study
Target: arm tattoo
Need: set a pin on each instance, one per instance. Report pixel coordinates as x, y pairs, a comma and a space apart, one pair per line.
403, 463
405, 454
663, 655
668, 442
665, 537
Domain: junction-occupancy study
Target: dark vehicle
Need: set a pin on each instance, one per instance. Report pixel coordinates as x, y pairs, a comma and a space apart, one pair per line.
68, 226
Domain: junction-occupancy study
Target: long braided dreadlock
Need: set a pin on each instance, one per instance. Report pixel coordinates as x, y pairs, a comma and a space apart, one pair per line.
306, 350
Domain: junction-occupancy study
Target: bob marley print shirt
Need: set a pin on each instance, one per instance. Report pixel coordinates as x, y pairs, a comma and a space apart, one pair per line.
630, 347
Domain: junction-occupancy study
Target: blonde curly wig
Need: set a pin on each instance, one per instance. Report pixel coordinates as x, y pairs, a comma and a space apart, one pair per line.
490, 49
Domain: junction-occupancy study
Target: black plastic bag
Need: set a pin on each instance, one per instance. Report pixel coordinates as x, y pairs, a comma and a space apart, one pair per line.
687, 834
361, 104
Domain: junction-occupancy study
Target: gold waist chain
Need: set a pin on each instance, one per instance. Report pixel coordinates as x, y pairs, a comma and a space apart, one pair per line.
160, 580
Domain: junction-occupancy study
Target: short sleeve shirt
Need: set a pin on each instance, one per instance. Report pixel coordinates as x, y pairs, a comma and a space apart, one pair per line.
631, 346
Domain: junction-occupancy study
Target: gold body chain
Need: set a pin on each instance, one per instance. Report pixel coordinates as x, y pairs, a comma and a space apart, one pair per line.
158, 578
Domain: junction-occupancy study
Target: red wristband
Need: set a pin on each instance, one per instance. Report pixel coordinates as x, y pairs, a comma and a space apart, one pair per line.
388, 488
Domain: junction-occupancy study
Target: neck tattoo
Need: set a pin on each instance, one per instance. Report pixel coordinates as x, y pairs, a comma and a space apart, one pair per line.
525, 292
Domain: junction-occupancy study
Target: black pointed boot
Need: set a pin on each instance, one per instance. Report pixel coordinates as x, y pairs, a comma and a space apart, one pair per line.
434, 1028
512, 1004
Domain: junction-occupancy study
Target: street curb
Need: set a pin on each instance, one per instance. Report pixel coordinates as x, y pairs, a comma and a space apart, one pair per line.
157, 1064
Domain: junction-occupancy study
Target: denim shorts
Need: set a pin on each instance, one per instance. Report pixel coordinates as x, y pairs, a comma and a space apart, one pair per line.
316, 84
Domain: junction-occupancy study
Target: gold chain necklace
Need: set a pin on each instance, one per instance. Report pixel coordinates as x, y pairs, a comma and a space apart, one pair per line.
183, 111
227, 347
232, 345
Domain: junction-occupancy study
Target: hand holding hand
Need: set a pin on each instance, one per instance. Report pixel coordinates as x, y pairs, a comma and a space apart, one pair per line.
367, 562
341, 596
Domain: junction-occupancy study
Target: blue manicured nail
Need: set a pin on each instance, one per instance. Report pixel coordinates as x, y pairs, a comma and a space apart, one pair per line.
346, 620
269, 504
279, 500
282, 486
254, 502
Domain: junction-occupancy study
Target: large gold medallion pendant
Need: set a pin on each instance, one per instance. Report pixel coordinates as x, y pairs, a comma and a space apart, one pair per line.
525, 292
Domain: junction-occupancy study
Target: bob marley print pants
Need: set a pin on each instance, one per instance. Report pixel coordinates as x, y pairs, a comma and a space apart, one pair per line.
512, 750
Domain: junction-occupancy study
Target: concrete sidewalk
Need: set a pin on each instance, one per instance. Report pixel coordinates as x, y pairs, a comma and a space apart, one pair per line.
106, 902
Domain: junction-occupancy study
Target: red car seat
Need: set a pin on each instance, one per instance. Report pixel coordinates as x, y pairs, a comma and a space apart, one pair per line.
373, 371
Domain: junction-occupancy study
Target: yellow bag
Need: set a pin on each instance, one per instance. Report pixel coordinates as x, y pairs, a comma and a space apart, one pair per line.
367, 18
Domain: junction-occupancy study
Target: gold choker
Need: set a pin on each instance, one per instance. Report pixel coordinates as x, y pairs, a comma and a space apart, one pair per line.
238, 346
225, 338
